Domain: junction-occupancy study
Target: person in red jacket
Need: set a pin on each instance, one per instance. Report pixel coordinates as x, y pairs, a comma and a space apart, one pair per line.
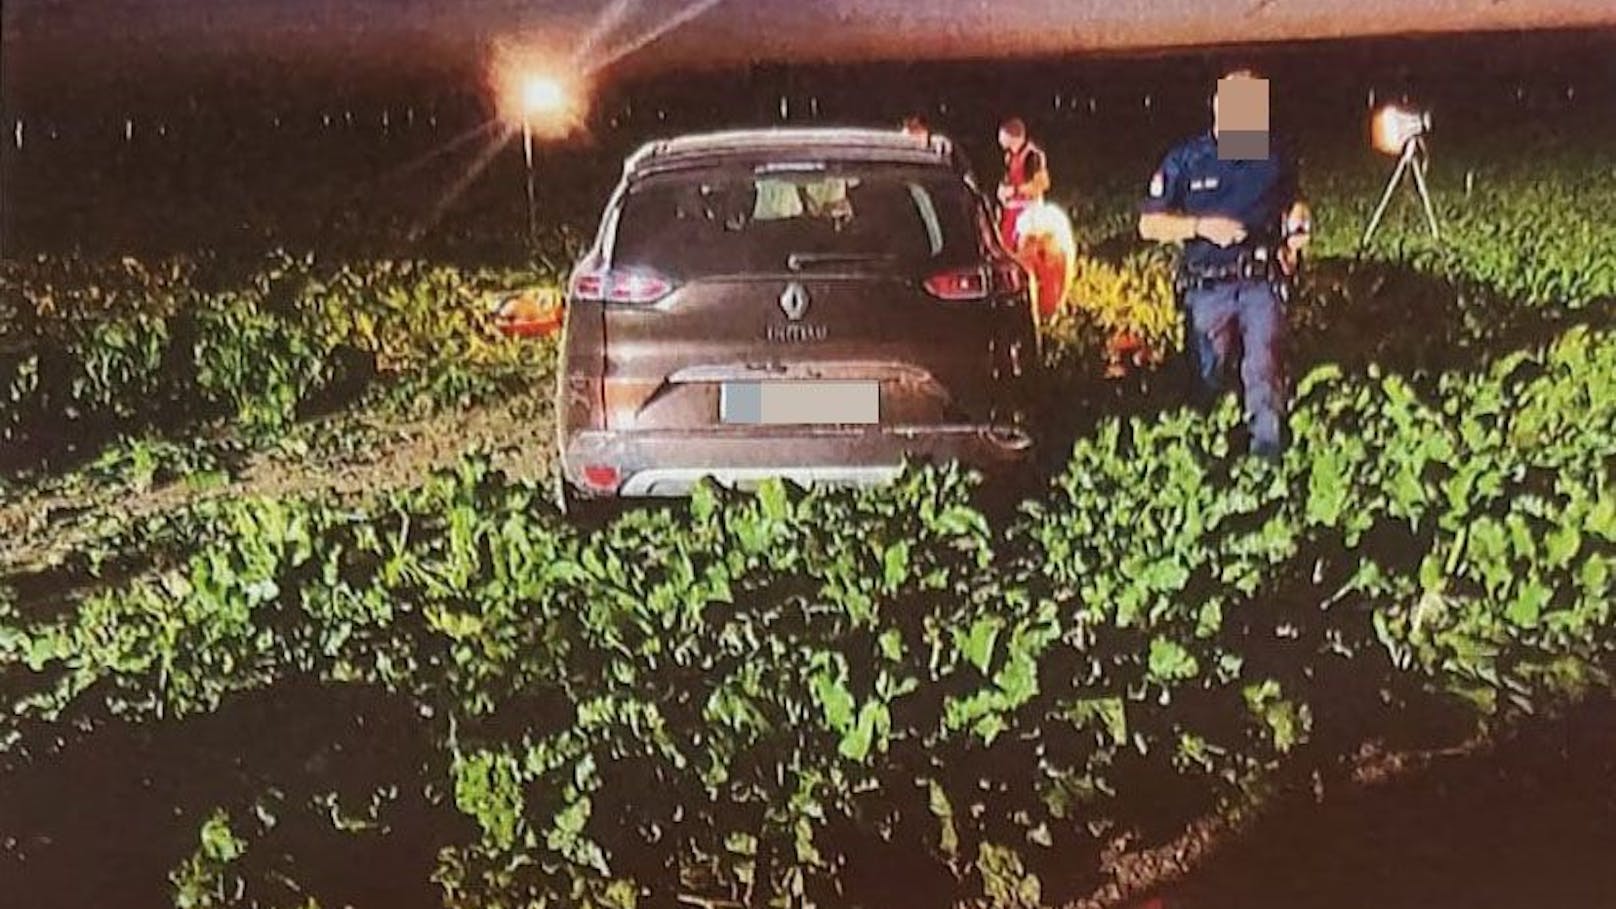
1026, 177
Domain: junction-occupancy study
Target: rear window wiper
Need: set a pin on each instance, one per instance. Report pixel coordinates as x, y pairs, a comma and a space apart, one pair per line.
799, 261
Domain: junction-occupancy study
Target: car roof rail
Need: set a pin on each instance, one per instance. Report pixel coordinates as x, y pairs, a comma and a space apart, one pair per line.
701, 146
644, 153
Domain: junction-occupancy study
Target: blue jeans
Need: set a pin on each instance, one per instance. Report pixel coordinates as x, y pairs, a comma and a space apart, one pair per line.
1251, 312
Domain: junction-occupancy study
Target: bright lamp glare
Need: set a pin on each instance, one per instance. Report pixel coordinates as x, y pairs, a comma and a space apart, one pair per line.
1393, 127
543, 95
531, 94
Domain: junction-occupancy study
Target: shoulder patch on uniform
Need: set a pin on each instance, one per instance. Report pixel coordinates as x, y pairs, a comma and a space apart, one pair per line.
1158, 184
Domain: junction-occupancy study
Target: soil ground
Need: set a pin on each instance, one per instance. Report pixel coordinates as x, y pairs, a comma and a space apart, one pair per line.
1525, 823
39, 528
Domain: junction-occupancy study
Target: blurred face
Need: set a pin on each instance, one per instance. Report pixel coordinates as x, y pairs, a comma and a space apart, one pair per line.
1240, 117
1009, 142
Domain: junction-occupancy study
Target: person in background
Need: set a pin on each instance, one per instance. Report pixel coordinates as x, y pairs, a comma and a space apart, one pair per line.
1231, 200
1026, 177
915, 125
919, 128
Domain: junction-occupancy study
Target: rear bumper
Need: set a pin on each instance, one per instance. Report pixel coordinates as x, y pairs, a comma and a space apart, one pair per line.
658, 463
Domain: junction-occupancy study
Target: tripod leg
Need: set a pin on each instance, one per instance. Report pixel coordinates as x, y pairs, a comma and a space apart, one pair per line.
1386, 197
1425, 197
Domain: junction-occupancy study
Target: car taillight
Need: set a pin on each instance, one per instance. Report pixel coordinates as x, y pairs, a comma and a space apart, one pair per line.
961, 285
587, 285
601, 477
621, 286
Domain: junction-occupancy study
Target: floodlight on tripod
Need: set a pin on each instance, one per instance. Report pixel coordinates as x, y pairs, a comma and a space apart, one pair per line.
1399, 130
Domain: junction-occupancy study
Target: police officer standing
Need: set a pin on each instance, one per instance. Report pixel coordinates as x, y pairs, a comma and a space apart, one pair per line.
1232, 201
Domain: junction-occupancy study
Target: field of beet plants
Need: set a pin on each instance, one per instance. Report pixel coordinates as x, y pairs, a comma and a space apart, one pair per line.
288, 618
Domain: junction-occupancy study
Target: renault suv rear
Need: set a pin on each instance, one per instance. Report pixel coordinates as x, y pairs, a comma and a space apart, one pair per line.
814, 305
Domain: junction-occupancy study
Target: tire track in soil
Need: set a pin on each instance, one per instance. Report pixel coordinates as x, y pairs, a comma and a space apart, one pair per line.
39, 531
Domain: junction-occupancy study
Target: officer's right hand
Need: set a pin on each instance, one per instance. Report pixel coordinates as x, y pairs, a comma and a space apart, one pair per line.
1220, 230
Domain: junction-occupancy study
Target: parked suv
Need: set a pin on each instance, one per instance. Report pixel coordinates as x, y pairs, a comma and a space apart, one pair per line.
811, 304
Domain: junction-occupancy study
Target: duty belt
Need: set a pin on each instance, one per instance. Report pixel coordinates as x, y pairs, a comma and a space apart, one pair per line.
1256, 263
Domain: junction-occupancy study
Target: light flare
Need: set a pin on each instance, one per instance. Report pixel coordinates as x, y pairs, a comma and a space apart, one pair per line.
610, 18
1394, 126
544, 93
478, 165
535, 94
684, 16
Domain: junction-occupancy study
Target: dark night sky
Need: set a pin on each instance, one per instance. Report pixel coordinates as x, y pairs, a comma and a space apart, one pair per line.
46, 34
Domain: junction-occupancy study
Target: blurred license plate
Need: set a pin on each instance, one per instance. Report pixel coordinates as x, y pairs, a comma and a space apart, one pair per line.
787, 403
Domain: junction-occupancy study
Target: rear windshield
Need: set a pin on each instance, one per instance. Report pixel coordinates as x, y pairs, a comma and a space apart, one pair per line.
721, 222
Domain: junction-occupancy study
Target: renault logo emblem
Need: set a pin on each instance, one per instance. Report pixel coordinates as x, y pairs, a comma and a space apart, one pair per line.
794, 301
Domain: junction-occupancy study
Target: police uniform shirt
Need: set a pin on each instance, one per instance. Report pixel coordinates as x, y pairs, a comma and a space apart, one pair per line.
1192, 180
